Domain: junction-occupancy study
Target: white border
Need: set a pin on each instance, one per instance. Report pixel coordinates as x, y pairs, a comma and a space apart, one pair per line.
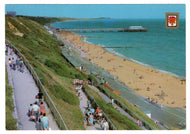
2, 56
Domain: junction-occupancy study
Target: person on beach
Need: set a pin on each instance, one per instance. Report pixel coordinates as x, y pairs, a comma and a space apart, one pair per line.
134, 71
35, 110
10, 63
44, 122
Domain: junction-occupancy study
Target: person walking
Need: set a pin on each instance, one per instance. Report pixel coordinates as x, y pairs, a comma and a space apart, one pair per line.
40, 97
13, 64
11, 51
42, 108
30, 110
21, 63
10, 63
6, 51
91, 119
40, 120
17, 62
44, 122
105, 125
35, 110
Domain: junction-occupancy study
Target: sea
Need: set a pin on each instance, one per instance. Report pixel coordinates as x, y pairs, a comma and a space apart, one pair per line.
159, 48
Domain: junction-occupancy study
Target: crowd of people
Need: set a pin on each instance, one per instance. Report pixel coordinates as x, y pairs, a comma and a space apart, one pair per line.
37, 112
15, 64
91, 115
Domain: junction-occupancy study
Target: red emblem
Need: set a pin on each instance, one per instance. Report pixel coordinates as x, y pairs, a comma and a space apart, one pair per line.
172, 20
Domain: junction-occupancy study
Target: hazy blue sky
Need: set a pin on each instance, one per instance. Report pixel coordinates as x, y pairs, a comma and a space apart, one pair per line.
93, 11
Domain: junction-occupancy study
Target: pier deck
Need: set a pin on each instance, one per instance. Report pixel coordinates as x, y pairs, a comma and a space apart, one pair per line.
106, 30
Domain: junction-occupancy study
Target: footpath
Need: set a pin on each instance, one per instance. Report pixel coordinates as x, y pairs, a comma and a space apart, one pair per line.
108, 100
25, 90
83, 105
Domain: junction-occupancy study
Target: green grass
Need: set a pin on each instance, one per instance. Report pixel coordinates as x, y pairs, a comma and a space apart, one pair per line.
134, 109
56, 74
46, 20
120, 121
44, 55
10, 121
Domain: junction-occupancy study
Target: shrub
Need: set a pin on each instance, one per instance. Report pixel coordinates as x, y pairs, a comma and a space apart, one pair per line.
10, 121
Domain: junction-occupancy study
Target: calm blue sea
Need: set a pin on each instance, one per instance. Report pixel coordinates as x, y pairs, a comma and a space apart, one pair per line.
159, 48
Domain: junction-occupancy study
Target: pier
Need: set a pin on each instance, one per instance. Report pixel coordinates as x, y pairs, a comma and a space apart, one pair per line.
107, 30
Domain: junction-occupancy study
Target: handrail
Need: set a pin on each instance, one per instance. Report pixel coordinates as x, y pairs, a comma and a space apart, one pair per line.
112, 126
48, 99
125, 108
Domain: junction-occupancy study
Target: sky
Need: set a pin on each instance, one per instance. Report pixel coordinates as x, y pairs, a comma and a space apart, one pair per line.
129, 11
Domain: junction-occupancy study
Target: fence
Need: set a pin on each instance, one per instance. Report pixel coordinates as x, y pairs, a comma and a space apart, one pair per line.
125, 108
95, 105
47, 98
75, 55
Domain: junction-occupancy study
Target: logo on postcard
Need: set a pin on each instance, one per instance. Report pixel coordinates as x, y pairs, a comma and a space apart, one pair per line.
172, 20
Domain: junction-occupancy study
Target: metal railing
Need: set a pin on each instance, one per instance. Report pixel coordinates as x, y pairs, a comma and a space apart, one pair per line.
50, 103
114, 82
126, 109
95, 105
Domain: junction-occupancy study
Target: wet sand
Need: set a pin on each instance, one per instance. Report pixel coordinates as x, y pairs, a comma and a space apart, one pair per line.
162, 88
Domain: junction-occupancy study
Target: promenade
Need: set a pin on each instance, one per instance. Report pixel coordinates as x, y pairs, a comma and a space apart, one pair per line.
25, 90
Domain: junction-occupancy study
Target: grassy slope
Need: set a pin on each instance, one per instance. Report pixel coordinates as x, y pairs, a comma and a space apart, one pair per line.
46, 20
10, 121
41, 49
134, 109
120, 121
55, 73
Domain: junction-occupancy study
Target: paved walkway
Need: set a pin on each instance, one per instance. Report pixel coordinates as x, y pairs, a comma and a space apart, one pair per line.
25, 90
108, 100
83, 105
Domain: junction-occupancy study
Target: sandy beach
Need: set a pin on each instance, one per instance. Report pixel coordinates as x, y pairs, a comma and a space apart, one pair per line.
162, 88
